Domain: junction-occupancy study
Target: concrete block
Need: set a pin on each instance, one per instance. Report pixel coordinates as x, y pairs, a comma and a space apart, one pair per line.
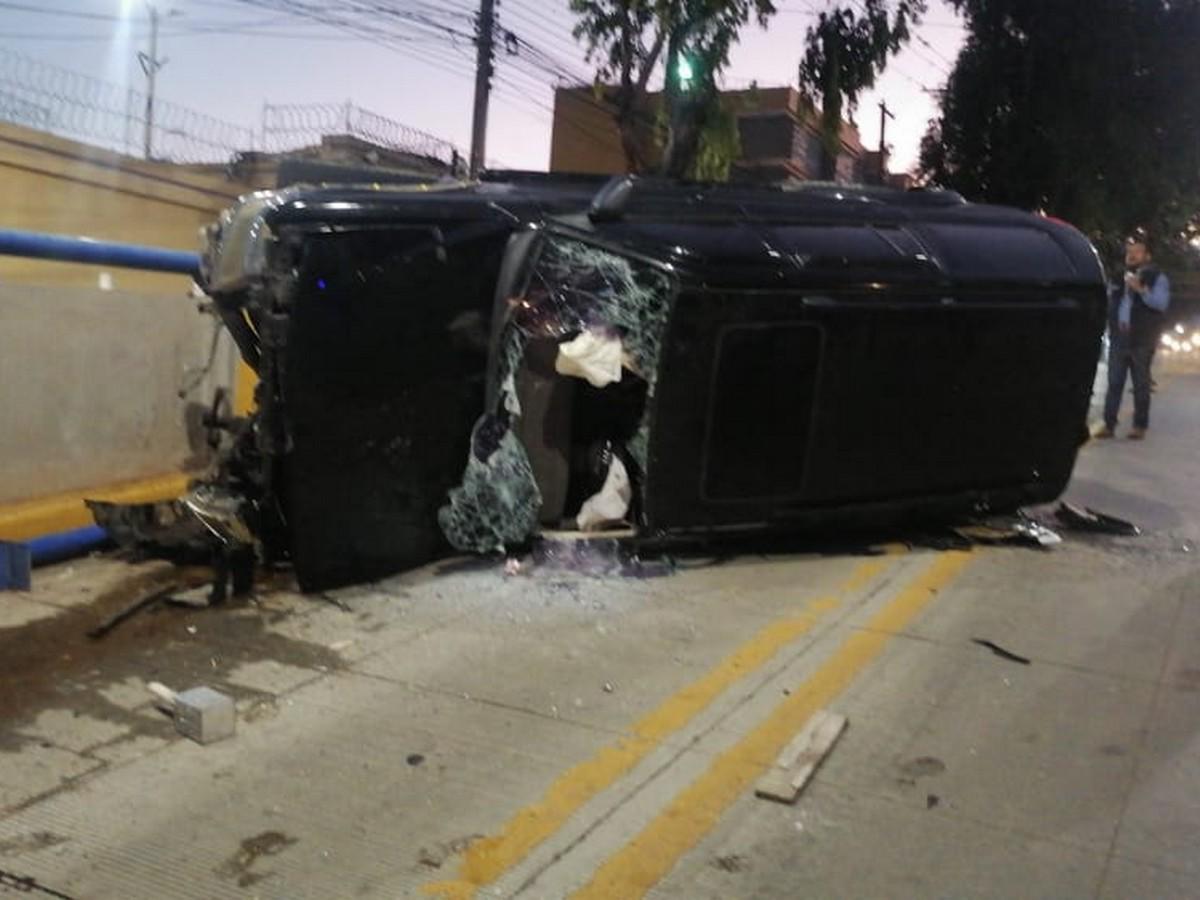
202, 714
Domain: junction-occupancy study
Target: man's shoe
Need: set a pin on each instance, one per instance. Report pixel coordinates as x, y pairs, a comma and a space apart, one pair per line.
1137, 434
1103, 433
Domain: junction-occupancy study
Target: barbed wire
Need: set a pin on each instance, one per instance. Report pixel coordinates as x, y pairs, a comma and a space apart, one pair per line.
72, 105
295, 126
69, 104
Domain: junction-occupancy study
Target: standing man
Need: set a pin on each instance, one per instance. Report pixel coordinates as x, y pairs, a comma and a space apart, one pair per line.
1135, 322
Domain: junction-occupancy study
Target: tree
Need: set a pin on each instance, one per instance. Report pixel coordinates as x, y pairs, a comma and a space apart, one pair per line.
720, 145
625, 38
845, 51
629, 39
1086, 109
701, 34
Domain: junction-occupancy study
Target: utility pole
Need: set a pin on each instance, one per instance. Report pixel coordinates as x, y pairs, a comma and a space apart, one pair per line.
884, 115
484, 44
150, 65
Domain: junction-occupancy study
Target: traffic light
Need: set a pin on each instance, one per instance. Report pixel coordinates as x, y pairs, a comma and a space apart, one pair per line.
684, 72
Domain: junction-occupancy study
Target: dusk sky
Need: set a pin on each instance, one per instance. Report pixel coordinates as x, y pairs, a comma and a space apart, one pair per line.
226, 58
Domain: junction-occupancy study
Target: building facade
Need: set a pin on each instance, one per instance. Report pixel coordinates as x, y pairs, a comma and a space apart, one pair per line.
778, 129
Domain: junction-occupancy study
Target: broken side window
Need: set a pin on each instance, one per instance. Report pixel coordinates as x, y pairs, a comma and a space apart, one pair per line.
577, 366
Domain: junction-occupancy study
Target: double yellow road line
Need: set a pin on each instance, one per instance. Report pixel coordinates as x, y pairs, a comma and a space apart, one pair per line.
643, 861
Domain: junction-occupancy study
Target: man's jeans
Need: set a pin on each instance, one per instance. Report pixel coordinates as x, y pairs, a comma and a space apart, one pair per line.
1125, 360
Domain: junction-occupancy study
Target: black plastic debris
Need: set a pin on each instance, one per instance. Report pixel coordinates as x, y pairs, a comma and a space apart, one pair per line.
141, 604
1087, 519
1001, 652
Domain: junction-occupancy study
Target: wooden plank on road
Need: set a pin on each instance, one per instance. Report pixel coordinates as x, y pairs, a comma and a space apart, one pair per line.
799, 760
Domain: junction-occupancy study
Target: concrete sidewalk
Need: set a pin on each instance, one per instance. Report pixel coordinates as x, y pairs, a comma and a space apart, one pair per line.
456, 731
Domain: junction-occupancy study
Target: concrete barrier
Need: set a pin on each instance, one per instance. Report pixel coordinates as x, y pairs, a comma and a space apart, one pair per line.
90, 384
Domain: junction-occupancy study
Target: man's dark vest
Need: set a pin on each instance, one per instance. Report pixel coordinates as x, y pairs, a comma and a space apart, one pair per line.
1145, 323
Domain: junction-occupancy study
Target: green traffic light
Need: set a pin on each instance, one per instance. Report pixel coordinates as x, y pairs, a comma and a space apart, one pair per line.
683, 69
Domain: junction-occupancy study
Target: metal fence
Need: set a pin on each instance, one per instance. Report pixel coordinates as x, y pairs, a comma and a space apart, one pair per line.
291, 127
71, 105
49, 98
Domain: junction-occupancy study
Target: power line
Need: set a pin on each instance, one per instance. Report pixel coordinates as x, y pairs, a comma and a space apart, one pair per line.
189, 27
433, 52
931, 62
422, 21
435, 47
233, 32
934, 49
69, 13
915, 81
530, 19
546, 15
957, 26
370, 33
578, 127
535, 79
547, 110
539, 59
528, 104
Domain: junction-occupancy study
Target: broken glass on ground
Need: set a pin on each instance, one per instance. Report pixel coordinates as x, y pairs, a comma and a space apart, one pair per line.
597, 556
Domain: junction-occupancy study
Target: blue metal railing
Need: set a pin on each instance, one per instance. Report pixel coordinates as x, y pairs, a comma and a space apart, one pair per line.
63, 248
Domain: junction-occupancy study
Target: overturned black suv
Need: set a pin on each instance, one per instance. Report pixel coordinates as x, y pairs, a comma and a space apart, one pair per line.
460, 367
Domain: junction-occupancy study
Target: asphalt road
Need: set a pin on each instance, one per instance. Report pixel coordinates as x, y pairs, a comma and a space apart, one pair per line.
458, 732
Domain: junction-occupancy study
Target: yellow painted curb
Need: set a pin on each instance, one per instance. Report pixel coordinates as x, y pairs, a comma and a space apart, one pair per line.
64, 512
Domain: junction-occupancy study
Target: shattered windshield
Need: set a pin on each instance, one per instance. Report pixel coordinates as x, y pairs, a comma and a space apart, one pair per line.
599, 317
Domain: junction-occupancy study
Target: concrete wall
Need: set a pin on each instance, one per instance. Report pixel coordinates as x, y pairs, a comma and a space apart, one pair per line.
55, 185
91, 359
90, 382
